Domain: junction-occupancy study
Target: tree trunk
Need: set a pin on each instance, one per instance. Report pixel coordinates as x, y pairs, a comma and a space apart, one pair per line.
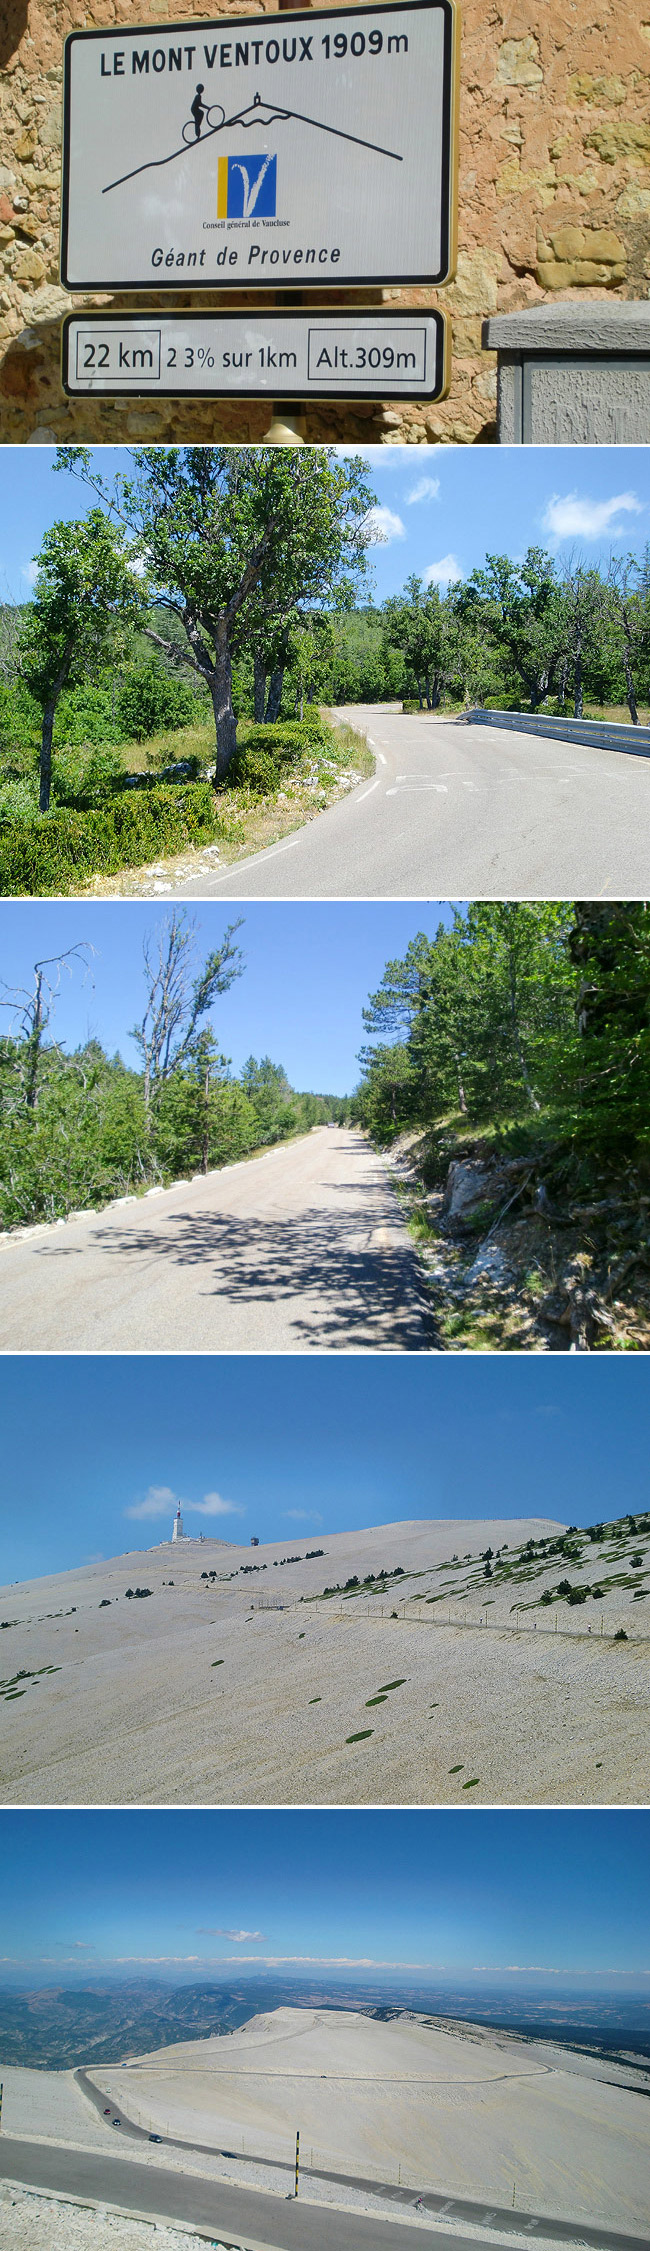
205, 1145
532, 1097
259, 686
629, 684
462, 1104
34, 1045
220, 685
577, 685
274, 697
49, 714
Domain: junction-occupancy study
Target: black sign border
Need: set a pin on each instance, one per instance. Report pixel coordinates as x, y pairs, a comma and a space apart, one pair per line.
377, 314
451, 19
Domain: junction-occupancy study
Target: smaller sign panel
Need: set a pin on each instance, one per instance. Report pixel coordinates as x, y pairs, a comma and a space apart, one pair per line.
346, 355
245, 151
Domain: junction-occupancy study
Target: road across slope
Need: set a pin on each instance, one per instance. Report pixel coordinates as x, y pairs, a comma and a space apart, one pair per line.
463, 812
300, 1250
194, 1695
464, 2109
249, 2216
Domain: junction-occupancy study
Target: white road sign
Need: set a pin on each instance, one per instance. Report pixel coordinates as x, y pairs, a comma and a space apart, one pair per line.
263, 151
348, 355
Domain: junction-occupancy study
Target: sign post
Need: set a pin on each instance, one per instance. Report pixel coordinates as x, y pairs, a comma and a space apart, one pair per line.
263, 152
350, 354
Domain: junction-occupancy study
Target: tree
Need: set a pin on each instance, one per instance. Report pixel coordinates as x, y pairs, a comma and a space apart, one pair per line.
34, 1010
266, 1085
414, 623
228, 532
629, 589
87, 598
177, 1000
520, 604
584, 601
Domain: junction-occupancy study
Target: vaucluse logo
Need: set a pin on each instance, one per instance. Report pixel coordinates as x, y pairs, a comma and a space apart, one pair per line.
246, 186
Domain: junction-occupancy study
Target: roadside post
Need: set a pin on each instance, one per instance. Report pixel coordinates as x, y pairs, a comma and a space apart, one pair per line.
0, 2106
315, 148
297, 2161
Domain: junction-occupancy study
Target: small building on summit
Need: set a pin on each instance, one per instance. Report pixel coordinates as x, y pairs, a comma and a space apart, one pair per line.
178, 1533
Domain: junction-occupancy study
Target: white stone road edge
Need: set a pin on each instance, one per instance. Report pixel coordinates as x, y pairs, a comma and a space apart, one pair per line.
197, 1179
124, 2212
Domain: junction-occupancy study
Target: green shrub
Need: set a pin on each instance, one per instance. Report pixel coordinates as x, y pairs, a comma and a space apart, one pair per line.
150, 700
85, 774
19, 800
290, 738
59, 849
255, 770
20, 718
86, 714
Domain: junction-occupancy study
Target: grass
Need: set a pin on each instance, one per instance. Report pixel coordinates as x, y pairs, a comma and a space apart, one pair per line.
249, 822
361, 1736
217, 1661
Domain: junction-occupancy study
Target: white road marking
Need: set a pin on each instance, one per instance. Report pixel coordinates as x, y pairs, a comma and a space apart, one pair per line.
270, 854
368, 792
382, 761
414, 788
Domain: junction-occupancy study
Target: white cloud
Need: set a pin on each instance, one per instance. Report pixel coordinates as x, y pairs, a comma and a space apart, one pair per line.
157, 1502
215, 1931
160, 1499
213, 1505
427, 488
31, 573
566, 516
386, 525
303, 1515
445, 573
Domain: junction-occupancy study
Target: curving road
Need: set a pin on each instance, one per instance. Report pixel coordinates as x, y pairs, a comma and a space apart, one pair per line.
302, 1249
458, 812
252, 2217
508, 2221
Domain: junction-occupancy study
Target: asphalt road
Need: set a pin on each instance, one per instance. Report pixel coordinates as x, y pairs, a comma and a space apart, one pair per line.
238, 2213
461, 812
475, 2215
303, 1249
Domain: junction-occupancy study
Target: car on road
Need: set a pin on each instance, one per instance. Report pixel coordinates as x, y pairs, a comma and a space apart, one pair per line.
107, 2110
116, 2122
155, 2137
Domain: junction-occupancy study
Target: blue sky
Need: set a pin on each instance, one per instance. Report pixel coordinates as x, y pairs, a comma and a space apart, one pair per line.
178, 1892
443, 508
332, 1445
309, 970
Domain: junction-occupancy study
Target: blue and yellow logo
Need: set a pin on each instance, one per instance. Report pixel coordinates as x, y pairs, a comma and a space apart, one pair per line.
246, 187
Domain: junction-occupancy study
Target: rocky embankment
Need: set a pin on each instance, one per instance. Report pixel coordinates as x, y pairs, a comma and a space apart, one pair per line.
515, 1257
29, 2222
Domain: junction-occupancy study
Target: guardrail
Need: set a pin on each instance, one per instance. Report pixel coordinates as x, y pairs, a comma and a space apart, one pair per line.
597, 734
430, 1615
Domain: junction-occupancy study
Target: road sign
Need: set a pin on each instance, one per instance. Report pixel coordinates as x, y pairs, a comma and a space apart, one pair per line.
340, 355
262, 151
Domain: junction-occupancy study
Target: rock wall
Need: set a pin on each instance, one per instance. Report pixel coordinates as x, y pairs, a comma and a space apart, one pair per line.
554, 201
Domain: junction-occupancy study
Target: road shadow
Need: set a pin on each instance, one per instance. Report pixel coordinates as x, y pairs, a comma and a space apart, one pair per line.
361, 1298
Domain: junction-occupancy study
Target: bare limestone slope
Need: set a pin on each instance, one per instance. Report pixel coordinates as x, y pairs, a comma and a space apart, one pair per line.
246, 1676
467, 2109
